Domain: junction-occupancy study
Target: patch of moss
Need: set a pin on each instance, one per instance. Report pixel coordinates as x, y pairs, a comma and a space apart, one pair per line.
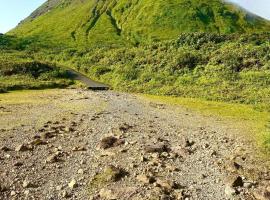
107, 176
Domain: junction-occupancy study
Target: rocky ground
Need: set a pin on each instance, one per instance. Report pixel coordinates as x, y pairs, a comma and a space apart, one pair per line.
76, 144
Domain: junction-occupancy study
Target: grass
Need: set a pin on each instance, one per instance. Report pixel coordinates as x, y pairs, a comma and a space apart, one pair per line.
122, 23
18, 70
255, 122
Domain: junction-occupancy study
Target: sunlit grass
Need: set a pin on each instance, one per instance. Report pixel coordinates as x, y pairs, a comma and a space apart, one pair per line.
255, 122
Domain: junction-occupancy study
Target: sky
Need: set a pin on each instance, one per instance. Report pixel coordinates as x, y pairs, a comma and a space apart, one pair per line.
13, 11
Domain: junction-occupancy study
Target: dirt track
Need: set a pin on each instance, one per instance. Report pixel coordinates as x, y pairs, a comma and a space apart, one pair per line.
78, 144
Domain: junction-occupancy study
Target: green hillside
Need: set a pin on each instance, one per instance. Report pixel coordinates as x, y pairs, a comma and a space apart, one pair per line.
99, 22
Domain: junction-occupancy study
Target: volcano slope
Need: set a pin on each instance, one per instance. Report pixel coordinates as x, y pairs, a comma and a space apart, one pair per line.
79, 144
87, 23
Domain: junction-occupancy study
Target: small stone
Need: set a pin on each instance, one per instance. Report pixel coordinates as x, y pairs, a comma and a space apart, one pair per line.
59, 187
27, 184
189, 143
52, 159
107, 194
73, 184
248, 184
26, 192
18, 164
79, 148
230, 191
165, 184
156, 148
5, 148
7, 156
47, 135
68, 129
37, 142
235, 181
23, 147
109, 142
12, 193
143, 159
66, 194
145, 179
3, 188
80, 171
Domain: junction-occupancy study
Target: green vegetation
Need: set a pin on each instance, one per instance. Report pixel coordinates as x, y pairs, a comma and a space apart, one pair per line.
19, 71
255, 123
205, 49
231, 68
87, 23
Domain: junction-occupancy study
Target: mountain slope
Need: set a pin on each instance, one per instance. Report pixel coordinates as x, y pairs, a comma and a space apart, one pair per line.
86, 22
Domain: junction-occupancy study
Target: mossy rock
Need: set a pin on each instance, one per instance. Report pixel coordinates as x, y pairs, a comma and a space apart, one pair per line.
109, 175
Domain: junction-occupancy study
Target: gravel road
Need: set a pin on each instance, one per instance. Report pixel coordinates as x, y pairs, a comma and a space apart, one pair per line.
78, 144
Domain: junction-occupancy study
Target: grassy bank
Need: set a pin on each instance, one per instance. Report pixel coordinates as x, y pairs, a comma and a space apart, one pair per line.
256, 123
225, 68
19, 71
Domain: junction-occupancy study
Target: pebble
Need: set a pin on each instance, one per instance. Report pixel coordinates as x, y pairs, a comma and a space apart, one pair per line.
230, 191
73, 184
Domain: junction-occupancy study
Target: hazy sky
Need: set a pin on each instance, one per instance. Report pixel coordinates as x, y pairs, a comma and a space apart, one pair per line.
13, 11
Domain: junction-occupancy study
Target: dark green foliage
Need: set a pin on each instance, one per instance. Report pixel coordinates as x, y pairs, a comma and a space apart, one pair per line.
18, 70
210, 66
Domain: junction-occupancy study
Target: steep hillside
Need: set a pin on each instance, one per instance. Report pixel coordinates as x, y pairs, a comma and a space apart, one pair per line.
86, 22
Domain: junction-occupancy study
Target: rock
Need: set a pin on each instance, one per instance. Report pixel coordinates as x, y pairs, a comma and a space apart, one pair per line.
66, 194
80, 171
230, 191
109, 142
3, 187
107, 194
37, 142
24, 147
18, 164
181, 152
235, 181
12, 193
79, 148
109, 175
47, 135
145, 179
189, 143
68, 129
59, 187
73, 184
5, 148
26, 192
248, 184
156, 148
125, 127
165, 184
52, 158
27, 184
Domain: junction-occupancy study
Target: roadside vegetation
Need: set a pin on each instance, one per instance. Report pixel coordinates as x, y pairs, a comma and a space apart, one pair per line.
255, 123
229, 68
18, 71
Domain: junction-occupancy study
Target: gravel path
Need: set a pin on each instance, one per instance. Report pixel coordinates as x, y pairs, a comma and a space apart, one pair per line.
76, 144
